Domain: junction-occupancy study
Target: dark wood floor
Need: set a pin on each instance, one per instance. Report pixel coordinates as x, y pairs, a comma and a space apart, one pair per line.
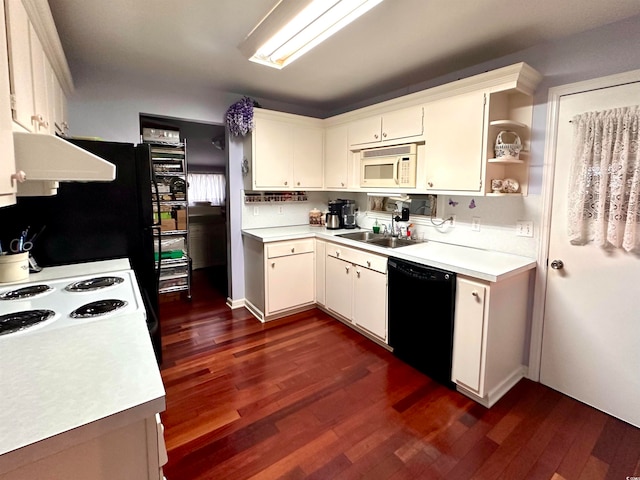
307, 397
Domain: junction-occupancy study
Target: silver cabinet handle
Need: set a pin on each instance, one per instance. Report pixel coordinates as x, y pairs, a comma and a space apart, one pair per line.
384, 135
475, 293
293, 250
430, 184
273, 265
298, 183
286, 183
368, 263
375, 136
557, 264
346, 268
357, 273
337, 253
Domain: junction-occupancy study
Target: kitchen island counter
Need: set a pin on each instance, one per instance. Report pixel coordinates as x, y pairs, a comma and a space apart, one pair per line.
61, 388
473, 262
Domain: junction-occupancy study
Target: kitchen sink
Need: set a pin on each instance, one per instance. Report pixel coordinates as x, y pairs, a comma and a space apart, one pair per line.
392, 242
362, 236
378, 239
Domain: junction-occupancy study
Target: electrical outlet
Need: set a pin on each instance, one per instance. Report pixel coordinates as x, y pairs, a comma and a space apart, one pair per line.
452, 220
524, 228
256, 211
280, 209
475, 224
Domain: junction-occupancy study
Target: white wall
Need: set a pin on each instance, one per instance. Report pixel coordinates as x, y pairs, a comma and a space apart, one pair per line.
108, 106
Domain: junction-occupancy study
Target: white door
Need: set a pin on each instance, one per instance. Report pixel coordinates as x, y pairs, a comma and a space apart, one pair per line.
591, 333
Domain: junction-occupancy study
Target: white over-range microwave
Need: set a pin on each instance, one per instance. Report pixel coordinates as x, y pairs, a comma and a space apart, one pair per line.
388, 167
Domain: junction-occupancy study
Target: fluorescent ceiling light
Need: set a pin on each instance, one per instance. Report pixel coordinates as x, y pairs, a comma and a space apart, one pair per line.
298, 30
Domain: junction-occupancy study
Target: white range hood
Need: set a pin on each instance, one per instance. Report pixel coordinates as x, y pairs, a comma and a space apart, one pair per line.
47, 160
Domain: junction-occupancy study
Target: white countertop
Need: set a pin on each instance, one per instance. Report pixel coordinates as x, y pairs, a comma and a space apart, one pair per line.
481, 264
63, 387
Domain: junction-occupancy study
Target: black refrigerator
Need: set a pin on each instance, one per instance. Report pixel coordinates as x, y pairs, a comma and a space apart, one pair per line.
98, 221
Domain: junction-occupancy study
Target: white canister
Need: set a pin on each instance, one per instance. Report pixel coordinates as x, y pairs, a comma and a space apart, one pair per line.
14, 268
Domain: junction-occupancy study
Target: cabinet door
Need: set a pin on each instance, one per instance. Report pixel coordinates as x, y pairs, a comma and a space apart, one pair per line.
339, 286
39, 64
308, 146
20, 63
453, 143
7, 157
321, 258
370, 301
404, 123
290, 282
367, 130
273, 154
57, 103
336, 157
468, 337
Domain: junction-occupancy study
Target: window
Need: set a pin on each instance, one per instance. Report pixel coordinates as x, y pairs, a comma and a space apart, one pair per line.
206, 187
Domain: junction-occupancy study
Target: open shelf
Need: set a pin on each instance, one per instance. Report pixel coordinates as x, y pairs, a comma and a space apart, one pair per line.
508, 124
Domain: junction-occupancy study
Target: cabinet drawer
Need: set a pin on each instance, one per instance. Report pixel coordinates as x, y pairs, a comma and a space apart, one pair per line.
358, 257
289, 248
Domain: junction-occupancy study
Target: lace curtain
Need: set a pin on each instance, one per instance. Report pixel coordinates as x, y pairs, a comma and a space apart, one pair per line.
207, 187
604, 187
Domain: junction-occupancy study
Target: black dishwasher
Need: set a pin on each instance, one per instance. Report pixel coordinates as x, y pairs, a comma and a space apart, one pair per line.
421, 305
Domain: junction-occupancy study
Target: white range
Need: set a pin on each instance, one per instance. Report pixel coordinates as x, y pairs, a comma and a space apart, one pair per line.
75, 386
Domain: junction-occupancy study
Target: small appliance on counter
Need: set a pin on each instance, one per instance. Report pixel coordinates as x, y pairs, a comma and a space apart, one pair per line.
334, 215
348, 214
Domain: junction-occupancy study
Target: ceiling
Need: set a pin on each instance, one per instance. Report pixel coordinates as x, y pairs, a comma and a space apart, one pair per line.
397, 44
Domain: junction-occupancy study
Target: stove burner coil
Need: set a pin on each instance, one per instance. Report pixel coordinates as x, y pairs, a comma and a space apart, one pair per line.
91, 284
96, 309
17, 321
25, 292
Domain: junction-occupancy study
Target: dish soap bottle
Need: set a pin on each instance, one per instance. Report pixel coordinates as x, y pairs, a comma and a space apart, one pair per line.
376, 227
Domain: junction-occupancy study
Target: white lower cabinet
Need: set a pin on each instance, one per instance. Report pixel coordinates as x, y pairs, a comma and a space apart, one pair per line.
356, 288
135, 451
489, 336
370, 301
320, 251
339, 278
280, 277
290, 281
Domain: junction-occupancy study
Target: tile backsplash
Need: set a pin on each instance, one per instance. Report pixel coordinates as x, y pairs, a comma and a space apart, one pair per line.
494, 227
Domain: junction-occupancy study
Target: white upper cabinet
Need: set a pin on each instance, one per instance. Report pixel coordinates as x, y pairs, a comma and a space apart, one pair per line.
7, 159
40, 71
38, 100
397, 126
272, 154
453, 143
308, 154
286, 152
20, 68
336, 157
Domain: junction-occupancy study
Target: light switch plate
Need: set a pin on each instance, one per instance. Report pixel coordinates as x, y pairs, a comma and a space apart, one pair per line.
475, 224
524, 228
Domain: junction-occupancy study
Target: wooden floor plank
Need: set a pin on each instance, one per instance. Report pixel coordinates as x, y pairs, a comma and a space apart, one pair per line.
306, 397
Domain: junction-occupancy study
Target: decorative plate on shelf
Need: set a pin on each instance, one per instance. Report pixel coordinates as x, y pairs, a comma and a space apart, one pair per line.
509, 185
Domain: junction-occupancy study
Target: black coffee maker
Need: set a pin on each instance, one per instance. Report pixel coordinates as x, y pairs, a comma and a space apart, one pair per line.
333, 219
348, 216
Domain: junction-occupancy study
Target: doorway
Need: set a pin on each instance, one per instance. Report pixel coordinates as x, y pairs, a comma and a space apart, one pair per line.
206, 160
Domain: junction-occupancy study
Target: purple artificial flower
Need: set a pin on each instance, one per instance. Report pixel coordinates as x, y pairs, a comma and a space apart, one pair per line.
240, 117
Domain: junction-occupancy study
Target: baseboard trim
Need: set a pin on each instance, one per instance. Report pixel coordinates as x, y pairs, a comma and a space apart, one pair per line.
233, 304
